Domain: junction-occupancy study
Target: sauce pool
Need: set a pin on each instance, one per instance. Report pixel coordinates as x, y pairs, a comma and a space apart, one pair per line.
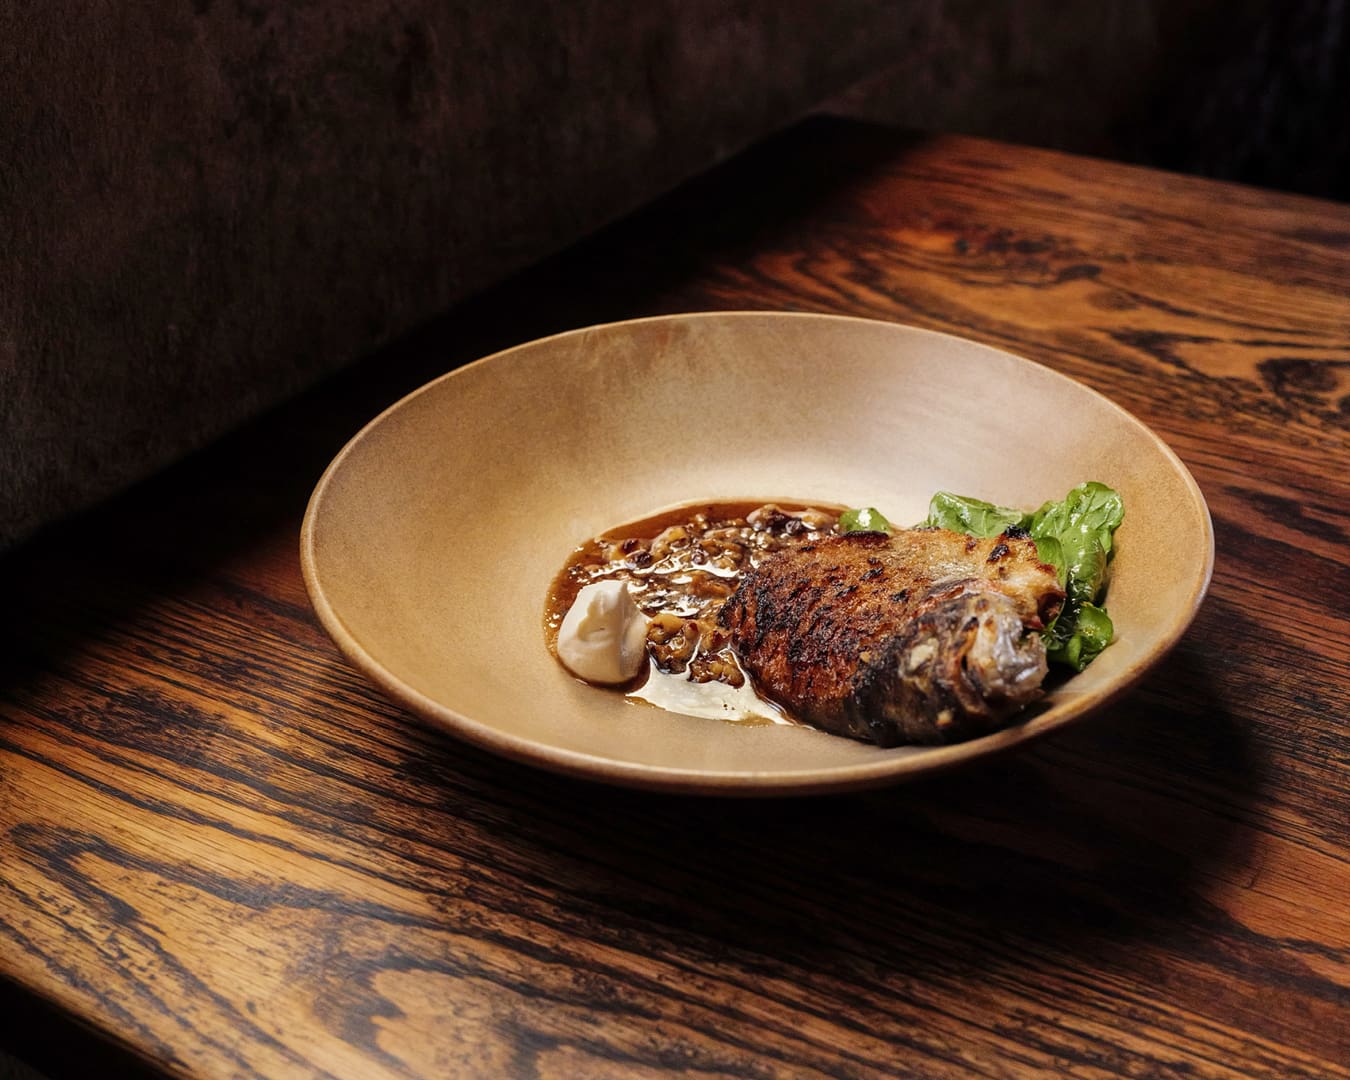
680, 566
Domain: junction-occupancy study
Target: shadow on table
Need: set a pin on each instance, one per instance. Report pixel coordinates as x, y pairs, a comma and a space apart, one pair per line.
1100, 836
37, 1042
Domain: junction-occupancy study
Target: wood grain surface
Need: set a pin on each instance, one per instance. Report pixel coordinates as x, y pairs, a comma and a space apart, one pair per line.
225, 853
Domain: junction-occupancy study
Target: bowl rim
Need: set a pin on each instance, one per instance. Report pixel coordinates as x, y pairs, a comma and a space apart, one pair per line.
888, 768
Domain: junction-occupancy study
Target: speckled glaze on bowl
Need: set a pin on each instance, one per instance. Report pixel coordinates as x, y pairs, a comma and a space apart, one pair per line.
431, 540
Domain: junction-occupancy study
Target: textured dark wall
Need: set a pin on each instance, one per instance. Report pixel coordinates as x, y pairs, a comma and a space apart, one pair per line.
1245, 90
1258, 92
206, 206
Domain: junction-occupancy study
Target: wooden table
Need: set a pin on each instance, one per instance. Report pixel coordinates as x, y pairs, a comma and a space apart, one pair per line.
223, 851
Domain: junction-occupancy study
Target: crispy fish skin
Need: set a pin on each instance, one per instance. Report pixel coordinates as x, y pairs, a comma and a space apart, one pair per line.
915, 637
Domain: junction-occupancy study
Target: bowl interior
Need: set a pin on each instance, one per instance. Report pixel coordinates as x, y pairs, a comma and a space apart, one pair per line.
431, 541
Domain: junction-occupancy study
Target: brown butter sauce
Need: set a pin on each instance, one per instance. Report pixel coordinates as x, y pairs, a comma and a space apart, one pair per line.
681, 586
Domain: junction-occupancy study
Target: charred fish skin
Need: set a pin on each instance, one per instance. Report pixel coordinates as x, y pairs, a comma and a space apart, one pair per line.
957, 672
917, 637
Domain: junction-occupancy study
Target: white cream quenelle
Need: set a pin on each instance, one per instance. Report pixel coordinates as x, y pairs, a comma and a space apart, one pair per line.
603, 636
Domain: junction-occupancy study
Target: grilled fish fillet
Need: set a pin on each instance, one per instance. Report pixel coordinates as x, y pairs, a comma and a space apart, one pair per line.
916, 637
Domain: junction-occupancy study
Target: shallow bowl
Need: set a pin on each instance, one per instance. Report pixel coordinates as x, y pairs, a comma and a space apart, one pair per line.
430, 542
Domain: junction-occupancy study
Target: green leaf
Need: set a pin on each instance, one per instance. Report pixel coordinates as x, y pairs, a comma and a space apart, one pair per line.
1084, 564
974, 516
1090, 507
1083, 524
1050, 552
1080, 633
864, 519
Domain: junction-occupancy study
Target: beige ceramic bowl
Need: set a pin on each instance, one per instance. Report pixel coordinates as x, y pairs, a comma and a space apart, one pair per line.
432, 539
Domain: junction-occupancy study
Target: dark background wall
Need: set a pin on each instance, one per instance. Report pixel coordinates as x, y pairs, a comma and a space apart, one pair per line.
1256, 91
204, 207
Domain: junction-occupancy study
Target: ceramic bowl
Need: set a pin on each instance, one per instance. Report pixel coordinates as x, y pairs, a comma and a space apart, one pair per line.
430, 542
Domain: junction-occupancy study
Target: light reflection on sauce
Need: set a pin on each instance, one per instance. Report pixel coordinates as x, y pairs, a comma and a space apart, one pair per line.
713, 700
